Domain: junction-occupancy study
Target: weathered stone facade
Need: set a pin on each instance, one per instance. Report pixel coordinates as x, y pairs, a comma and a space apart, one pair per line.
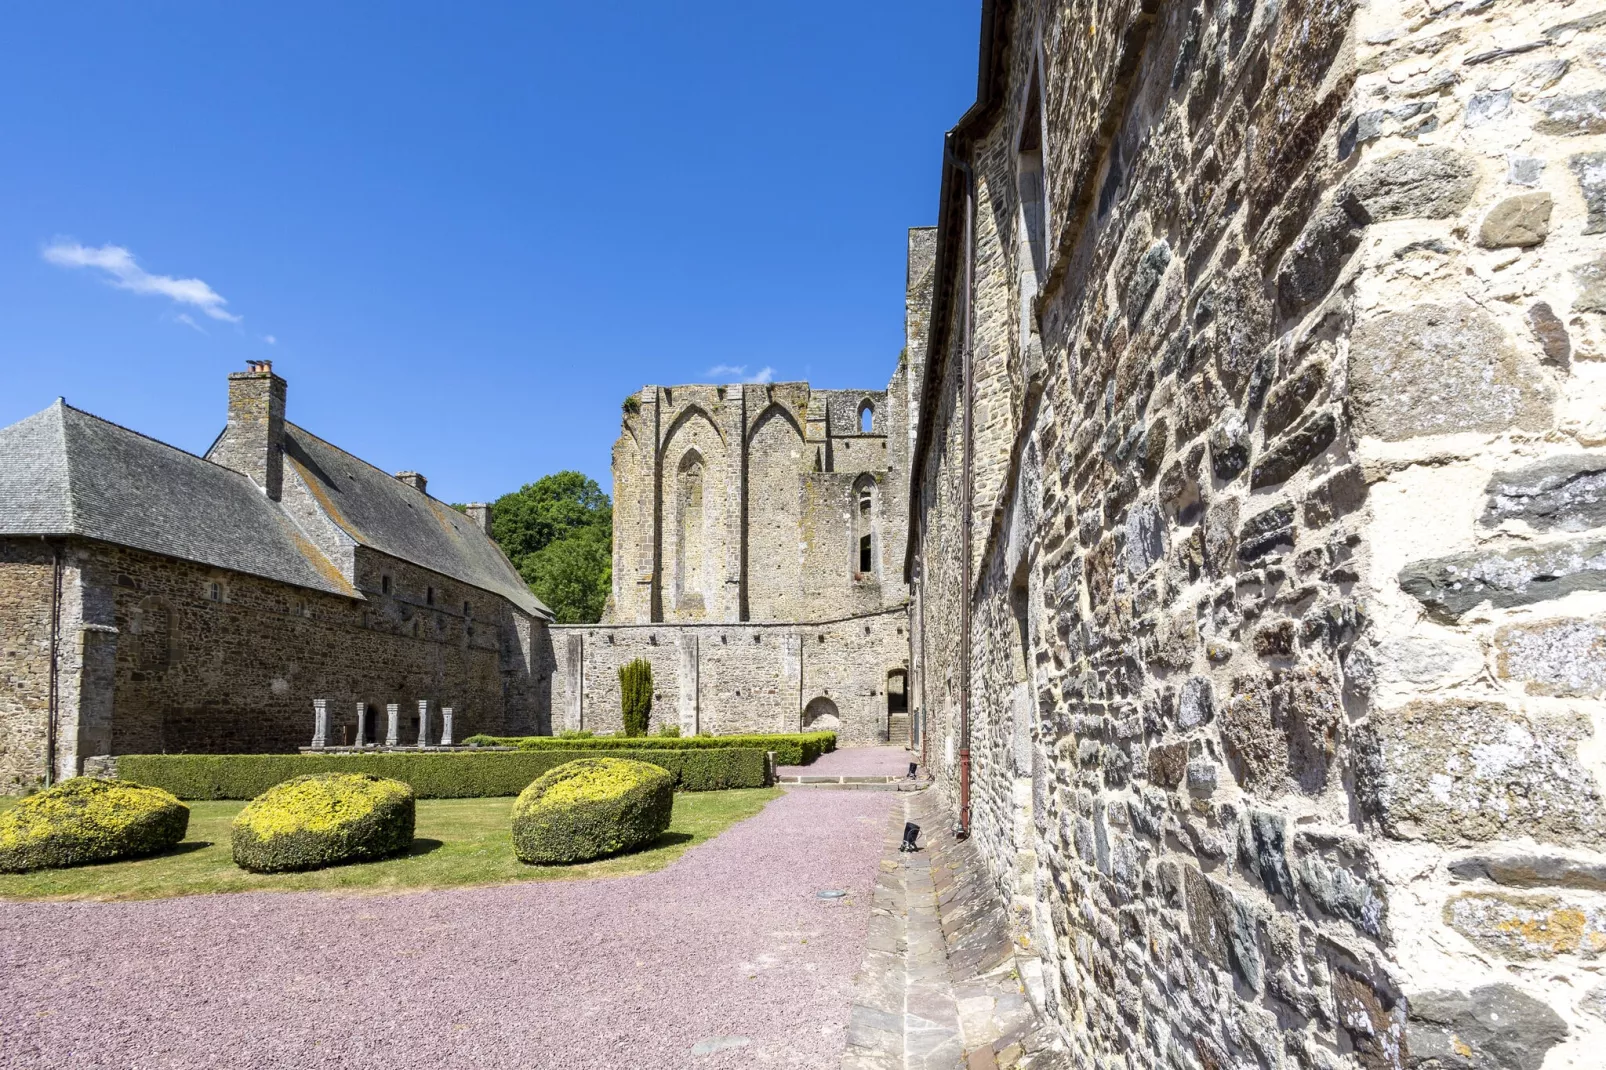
846, 675
159, 602
1257, 547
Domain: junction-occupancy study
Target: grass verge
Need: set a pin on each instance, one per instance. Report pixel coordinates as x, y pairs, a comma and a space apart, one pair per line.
457, 842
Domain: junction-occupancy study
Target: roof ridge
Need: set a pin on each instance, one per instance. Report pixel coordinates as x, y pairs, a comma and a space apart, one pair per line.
148, 438
66, 460
347, 453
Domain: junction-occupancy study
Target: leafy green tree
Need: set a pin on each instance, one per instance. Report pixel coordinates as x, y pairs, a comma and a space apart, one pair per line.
558, 532
573, 575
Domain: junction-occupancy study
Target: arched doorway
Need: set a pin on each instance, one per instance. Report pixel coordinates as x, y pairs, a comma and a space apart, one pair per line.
820, 715
898, 708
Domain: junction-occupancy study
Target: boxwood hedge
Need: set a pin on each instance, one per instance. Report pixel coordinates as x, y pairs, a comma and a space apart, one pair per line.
309, 822
592, 808
87, 819
451, 775
791, 748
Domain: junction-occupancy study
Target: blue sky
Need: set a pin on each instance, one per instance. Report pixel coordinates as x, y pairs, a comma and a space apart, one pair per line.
462, 232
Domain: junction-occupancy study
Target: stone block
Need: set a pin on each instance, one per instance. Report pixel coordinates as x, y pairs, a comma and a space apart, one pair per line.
1266, 531
1496, 1027
1522, 867
1229, 446
1565, 658
1337, 495
1572, 114
1374, 1021
1168, 764
1435, 369
1528, 927
1312, 264
1429, 183
1589, 168
1557, 494
1450, 586
1590, 279
1294, 451
1287, 400
1551, 334
1335, 870
1518, 221
1262, 848
1197, 704
1461, 770
1223, 927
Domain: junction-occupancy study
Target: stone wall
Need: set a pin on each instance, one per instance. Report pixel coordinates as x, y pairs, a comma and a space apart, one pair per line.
730, 678
159, 655
1287, 584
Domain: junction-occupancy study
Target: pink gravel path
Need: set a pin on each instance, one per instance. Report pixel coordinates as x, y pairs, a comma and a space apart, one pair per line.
730, 941
855, 761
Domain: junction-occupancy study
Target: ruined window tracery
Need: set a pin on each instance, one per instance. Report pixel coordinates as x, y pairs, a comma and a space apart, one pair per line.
690, 548
866, 416
866, 516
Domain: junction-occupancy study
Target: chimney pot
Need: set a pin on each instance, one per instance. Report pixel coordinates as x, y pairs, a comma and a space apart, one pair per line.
414, 480
480, 513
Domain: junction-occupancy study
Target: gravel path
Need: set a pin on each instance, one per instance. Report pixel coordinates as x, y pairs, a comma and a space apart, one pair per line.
638, 972
855, 761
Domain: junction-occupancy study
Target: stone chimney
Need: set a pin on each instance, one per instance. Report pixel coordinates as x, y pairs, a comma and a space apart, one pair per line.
253, 442
480, 513
414, 480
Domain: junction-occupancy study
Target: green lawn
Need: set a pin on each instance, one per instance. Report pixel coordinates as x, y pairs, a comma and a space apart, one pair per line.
457, 842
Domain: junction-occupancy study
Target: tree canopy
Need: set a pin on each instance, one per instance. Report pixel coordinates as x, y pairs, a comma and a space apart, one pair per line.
558, 532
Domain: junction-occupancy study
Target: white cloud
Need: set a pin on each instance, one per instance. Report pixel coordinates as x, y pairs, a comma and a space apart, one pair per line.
268, 338
126, 274
187, 320
765, 374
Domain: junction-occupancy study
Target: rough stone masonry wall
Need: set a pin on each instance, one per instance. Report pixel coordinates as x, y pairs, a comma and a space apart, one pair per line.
1289, 606
150, 664
734, 678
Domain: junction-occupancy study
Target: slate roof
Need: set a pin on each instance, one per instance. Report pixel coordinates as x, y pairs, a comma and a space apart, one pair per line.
381, 512
66, 472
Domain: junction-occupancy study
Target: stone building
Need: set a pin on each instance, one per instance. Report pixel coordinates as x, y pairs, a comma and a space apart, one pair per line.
759, 539
1256, 540
155, 601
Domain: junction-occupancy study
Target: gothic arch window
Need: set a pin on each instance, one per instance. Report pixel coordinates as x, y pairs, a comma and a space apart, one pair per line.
866, 416
866, 527
690, 534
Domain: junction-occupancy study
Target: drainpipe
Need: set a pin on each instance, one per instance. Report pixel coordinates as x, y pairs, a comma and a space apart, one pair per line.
53, 711
965, 495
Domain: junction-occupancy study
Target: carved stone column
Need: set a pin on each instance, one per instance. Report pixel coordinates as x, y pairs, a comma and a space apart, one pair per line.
362, 724
393, 729
320, 722
423, 722
446, 726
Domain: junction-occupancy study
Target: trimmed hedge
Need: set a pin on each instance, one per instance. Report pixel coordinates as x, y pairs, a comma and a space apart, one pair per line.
452, 775
87, 819
592, 808
791, 748
314, 821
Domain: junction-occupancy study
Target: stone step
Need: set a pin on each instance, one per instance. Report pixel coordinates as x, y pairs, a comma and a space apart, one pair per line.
898, 730
863, 783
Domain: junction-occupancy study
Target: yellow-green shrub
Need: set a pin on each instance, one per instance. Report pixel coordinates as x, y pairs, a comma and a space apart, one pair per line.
314, 821
87, 819
590, 808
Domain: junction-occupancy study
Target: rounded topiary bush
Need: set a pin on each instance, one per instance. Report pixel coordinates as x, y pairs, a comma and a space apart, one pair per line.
592, 807
87, 819
323, 820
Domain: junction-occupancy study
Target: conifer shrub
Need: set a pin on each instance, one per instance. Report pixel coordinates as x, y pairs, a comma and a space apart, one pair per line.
635, 696
591, 808
87, 819
309, 822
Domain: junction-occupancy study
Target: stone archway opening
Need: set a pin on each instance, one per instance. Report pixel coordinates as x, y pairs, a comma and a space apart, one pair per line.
821, 715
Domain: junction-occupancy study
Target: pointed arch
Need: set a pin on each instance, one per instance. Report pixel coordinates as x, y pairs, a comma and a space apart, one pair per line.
775, 409
773, 526
686, 416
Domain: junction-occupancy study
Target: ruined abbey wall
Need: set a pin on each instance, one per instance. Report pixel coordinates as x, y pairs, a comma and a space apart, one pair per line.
749, 502
1286, 583
730, 678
